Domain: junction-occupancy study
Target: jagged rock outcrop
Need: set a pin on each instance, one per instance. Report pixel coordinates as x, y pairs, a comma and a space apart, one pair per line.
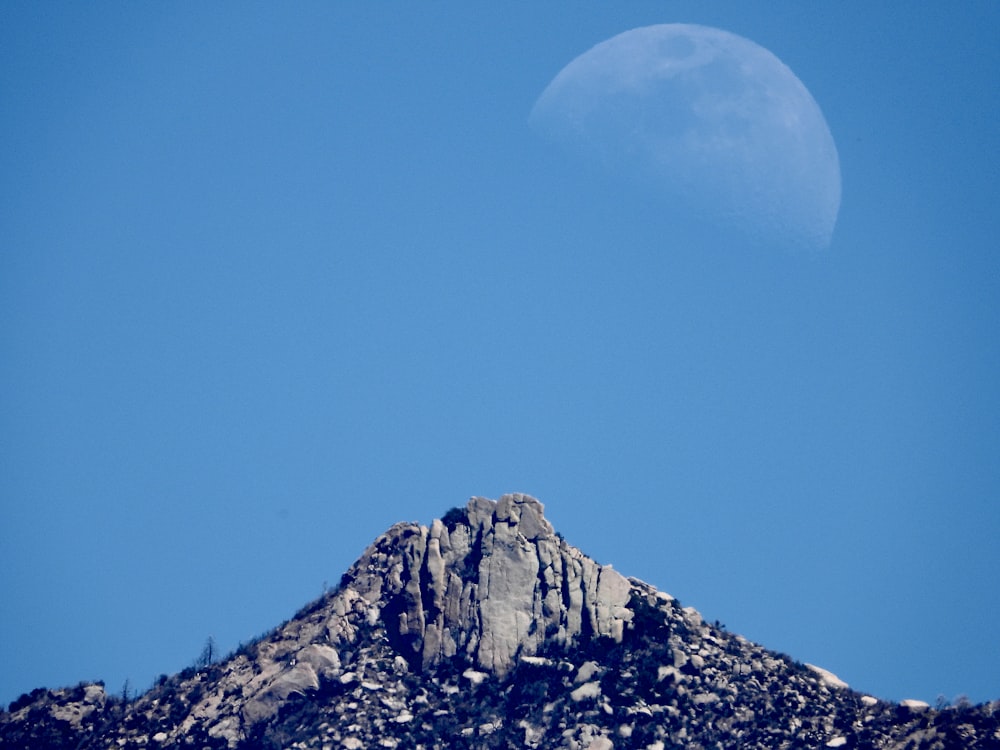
487, 630
493, 585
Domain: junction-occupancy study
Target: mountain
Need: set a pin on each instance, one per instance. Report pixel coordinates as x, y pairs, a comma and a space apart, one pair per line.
488, 630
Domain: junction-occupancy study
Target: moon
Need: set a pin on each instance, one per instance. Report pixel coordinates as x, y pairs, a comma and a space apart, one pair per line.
712, 122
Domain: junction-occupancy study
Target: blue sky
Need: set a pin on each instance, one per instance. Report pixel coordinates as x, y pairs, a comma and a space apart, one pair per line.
274, 279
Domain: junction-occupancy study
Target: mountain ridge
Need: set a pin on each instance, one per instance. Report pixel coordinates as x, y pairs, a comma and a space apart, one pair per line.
487, 629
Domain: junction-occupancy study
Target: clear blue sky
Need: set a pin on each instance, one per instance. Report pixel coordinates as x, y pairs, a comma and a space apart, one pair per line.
274, 278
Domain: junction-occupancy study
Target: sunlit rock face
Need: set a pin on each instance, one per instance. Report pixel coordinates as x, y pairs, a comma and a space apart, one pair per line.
493, 585
486, 629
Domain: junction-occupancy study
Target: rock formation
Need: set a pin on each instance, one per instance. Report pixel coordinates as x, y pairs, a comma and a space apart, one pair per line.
495, 585
485, 630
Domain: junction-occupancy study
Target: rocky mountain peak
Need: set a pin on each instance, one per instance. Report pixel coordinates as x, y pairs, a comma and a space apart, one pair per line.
492, 583
487, 630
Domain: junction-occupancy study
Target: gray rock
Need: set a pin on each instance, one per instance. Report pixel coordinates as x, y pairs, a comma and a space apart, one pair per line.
493, 589
358, 667
265, 703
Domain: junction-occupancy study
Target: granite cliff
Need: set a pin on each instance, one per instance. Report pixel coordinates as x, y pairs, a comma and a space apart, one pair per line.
493, 585
487, 629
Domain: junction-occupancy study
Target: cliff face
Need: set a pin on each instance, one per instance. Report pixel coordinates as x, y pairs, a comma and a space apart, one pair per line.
493, 585
487, 629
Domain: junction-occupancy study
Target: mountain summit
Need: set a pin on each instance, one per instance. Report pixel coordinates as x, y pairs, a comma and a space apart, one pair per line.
487, 629
490, 585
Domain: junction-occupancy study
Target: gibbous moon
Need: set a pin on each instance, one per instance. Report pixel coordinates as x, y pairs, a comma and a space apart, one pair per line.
713, 122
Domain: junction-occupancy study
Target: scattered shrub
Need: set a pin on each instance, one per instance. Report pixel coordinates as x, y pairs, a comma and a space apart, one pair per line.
454, 517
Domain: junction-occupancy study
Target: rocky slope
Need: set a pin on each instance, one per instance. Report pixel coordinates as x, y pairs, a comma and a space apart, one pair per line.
487, 629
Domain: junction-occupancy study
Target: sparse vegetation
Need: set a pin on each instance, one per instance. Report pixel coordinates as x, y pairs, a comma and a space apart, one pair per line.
208, 654
454, 517
342, 675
